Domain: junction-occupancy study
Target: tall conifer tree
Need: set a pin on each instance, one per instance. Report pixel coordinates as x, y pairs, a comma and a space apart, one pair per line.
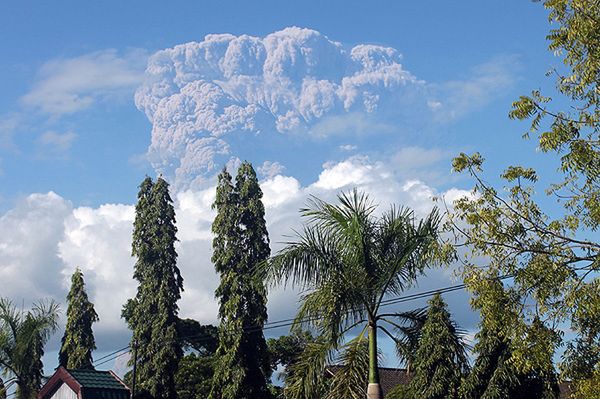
152, 314
241, 242
78, 341
441, 359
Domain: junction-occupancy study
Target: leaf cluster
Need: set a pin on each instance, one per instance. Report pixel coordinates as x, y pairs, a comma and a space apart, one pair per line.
240, 244
23, 335
78, 341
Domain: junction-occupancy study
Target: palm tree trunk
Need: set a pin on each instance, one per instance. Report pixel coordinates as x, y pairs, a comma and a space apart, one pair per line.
374, 389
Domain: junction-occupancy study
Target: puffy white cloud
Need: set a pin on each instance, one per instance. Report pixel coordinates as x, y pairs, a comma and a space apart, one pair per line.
30, 267
204, 97
356, 171
44, 238
98, 241
232, 96
68, 85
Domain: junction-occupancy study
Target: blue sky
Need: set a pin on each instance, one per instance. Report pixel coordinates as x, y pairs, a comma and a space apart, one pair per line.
74, 142
440, 42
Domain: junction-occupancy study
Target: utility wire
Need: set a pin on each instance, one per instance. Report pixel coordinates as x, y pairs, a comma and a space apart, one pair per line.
127, 350
111, 354
291, 321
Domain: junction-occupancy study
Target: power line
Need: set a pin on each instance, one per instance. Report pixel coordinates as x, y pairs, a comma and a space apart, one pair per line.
113, 358
288, 322
111, 354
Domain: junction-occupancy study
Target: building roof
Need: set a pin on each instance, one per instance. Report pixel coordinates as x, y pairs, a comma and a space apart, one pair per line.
87, 384
97, 379
389, 378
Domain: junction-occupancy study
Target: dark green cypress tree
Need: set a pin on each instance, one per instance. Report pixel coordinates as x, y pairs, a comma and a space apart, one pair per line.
78, 341
241, 242
152, 314
441, 360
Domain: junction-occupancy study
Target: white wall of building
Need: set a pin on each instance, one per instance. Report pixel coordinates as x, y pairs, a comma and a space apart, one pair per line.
64, 392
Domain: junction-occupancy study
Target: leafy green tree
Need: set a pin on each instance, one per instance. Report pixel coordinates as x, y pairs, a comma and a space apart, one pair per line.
23, 335
350, 380
494, 374
441, 359
286, 349
78, 340
152, 314
306, 375
347, 261
201, 338
241, 243
552, 253
400, 391
194, 376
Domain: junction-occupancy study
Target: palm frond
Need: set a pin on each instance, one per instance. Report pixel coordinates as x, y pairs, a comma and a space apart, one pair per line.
407, 332
331, 309
403, 248
350, 380
310, 260
306, 377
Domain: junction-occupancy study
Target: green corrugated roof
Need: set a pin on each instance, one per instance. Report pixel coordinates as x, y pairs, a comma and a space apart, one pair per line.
93, 379
95, 393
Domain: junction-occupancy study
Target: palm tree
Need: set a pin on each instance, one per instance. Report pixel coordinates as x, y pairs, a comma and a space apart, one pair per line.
22, 339
348, 261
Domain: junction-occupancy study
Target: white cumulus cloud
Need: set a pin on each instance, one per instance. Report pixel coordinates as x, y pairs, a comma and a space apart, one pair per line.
44, 238
235, 96
203, 98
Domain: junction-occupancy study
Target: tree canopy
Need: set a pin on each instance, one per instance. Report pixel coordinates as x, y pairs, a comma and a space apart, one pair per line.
240, 244
152, 314
441, 358
552, 256
23, 335
78, 340
347, 261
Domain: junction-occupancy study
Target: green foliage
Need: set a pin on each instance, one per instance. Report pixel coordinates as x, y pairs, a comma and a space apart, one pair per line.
285, 350
203, 339
400, 392
441, 359
193, 379
495, 373
23, 335
78, 340
493, 376
553, 256
589, 387
346, 261
305, 375
350, 380
241, 242
152, 314
305, 357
